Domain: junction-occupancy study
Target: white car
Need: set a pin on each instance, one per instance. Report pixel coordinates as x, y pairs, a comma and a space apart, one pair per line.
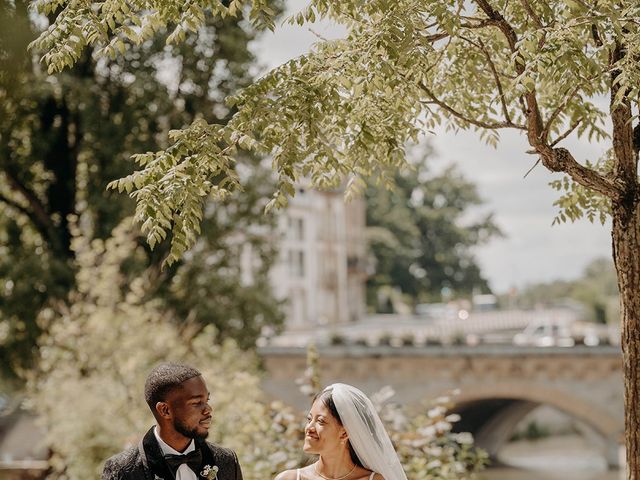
546, 333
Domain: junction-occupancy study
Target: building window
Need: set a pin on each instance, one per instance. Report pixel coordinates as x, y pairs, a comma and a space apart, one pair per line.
296, 227
296, 263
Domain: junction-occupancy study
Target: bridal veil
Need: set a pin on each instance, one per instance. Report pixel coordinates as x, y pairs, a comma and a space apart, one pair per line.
367, 434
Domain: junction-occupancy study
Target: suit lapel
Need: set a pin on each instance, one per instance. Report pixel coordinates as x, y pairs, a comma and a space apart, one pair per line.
155, 463
207, 455
153, 459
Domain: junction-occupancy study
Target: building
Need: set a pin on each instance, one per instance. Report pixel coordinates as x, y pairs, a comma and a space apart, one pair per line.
321, 270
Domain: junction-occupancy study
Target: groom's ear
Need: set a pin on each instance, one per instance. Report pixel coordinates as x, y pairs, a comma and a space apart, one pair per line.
162, 408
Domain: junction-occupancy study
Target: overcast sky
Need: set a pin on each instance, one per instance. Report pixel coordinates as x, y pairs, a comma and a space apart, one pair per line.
533, 250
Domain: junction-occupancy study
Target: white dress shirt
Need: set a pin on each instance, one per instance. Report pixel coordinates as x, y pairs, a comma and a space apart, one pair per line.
183, 472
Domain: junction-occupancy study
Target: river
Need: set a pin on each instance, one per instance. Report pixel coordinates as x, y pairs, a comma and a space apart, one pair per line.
568, 457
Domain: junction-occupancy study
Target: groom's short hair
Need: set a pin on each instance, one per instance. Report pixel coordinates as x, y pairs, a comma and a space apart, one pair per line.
164, 378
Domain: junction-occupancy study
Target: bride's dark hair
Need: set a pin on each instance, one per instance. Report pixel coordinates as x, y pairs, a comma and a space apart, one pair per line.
326, 398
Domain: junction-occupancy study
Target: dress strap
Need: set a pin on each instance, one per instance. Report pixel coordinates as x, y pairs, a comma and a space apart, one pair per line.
372, 475
298, 474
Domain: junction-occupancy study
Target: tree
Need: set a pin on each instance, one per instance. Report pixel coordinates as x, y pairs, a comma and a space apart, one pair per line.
349, 108
418, 238
596, 289
64, 137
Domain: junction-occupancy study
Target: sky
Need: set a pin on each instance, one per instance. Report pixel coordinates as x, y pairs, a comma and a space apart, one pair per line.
532, 250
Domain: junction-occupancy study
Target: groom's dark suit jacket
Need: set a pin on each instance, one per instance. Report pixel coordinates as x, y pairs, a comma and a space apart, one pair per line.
146, 462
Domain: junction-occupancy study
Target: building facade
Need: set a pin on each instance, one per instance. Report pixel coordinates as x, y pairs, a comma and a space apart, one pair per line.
321, 271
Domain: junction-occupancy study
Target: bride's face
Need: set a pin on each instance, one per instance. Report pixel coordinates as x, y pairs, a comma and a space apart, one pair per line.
323, 433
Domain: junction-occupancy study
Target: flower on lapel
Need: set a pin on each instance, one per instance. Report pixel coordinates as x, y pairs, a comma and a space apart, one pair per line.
209, 472
156, 477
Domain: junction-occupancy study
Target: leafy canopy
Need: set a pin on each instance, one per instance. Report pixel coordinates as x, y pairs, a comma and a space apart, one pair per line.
350, 106
64, 137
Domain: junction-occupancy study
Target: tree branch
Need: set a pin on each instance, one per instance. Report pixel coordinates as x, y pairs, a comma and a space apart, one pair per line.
480, 45
460, 116
625, 168
531, 169
498, 20
532, 14
436, 36
573, 126
555, 159
27, 213
523, 106
38, 215
596, 35
534, 118
558, 110
561, 160
481, 24
15, 205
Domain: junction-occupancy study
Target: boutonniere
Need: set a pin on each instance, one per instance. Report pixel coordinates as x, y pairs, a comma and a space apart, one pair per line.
156, 477
209, 472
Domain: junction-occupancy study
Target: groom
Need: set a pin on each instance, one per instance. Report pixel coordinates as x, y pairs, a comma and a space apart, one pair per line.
175, 448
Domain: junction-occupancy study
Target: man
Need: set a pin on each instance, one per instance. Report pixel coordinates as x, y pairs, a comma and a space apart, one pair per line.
175, 448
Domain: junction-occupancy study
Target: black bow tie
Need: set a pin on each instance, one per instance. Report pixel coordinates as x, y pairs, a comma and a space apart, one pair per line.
193, 459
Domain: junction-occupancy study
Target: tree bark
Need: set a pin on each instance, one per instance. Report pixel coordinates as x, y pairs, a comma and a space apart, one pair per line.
625, 235
626, 245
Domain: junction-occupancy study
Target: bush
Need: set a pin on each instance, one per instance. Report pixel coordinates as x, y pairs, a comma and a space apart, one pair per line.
88, 388
426, 446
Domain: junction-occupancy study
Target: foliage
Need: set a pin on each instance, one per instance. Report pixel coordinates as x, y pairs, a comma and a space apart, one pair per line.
101, 345
349, 108
64, 137
419, 238
578, 201
98, 351
336, 112
112, 24
309, 383
426, 444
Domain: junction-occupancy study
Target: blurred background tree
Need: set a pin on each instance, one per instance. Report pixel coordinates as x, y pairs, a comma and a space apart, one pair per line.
64, 137
596, 290
421, 235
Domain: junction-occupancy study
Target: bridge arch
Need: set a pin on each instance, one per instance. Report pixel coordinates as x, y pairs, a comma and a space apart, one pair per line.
492, 412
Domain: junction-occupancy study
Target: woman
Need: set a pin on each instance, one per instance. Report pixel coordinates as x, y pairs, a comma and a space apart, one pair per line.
344, 429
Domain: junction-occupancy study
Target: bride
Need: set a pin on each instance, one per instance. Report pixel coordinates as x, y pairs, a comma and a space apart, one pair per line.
344, 429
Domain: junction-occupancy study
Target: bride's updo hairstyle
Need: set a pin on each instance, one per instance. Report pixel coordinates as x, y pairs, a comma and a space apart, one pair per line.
327, 399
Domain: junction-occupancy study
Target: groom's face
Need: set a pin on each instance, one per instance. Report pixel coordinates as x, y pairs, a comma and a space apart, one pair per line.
189, 405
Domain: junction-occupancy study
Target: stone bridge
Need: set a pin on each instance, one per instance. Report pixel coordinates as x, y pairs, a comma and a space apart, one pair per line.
498, 385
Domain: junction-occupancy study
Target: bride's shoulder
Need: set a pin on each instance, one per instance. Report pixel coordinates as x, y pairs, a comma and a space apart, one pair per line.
369, 475
286, 475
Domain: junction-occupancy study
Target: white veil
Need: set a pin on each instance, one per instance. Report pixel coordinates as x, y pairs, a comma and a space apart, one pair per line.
367, 434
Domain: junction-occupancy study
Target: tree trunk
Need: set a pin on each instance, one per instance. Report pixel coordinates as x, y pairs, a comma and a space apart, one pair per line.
626, 253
